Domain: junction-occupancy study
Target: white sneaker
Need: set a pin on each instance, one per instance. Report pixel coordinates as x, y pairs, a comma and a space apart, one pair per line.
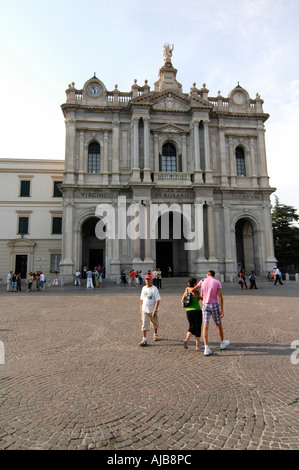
207, 351
224, 343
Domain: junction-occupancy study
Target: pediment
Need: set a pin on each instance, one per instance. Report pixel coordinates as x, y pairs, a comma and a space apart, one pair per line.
170, 101
170, 129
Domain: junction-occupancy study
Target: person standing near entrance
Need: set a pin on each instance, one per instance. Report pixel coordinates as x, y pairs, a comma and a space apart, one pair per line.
149, 306
89, 279
211, 290
9, 281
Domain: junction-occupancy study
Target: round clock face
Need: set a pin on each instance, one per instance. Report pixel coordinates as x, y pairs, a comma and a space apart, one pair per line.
239, 98
94, 90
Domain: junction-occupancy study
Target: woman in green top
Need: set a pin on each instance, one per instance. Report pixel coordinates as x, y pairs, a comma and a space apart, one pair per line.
194, 315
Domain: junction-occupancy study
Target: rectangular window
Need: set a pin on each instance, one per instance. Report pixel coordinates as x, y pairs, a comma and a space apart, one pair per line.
56, 190
168, 163
25, 188
57, 225
241, 171
23, 225
55, 262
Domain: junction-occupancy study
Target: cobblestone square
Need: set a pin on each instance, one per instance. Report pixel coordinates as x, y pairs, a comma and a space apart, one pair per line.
75, 378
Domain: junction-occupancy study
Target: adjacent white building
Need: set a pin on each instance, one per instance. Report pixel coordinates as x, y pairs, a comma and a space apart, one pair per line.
31, 215
136, 150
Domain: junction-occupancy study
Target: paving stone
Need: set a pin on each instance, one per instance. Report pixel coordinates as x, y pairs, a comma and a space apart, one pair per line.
75, 378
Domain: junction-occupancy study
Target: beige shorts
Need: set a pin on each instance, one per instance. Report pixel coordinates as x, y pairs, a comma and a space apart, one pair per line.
148, 320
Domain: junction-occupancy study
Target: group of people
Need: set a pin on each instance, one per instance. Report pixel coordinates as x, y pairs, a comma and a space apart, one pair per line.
13, 282
137, 278
276, 276
94, 278
208, 290
35, 281
242, 280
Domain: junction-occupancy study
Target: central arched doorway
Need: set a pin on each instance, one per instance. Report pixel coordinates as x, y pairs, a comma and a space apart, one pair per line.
170, 245
93, 249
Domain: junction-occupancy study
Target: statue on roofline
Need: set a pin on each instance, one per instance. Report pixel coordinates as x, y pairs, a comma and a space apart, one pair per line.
167, 53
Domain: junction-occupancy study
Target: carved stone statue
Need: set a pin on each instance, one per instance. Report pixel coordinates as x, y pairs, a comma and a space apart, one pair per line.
167, 52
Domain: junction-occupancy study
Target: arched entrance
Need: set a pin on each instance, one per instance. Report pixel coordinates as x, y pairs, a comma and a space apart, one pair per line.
93, 249
170, 245
245, 246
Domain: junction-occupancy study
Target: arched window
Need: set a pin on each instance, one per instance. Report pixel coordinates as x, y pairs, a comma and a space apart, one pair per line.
169, 160
240, 162
94, 158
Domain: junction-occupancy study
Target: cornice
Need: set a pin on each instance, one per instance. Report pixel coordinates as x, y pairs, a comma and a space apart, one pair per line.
233, 115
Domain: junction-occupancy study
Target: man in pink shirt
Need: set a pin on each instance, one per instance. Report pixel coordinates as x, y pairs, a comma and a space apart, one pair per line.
211, 290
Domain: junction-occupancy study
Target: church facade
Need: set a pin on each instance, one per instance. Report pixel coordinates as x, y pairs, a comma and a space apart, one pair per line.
197, 162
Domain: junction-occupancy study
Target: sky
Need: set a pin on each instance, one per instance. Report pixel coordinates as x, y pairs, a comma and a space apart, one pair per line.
45, 45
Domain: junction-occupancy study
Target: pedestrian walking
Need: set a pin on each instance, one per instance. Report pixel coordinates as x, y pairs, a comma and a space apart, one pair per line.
149, 306
252, 279
277, 276
212, 305
194, 315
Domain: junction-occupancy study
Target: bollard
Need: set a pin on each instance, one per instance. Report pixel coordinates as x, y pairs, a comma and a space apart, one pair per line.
297, 277
287, 276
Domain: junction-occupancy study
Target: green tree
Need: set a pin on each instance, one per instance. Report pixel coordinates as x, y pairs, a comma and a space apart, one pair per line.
286, 235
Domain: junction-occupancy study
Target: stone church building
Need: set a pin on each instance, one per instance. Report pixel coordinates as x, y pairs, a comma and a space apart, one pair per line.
200, 158
164, 146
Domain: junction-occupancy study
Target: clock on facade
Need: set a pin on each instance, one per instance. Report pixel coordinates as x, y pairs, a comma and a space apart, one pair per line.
94, 90
239, 98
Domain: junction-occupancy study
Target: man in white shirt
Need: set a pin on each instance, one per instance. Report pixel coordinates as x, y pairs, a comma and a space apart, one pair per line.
77, 279
149, 306
89, 283
8, 280
277, 276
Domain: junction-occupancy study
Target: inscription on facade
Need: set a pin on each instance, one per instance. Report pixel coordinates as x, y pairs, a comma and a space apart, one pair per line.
172, 195
246, 197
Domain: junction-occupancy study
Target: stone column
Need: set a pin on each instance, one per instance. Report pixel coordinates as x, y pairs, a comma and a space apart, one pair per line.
136, 169
198, 171
229, 239
208, 171
115, 151
264, 180
232, 162
253, 165
115, 261
105, 158
146, 171
81, 159
224, 179
156, 150
211, 231
148, 241
70, 148
184, 153
269, 258
67, 264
